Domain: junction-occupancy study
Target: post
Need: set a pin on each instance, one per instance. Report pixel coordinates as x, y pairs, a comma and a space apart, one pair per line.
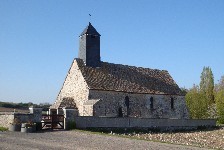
52, 111
60, 111
53, 117
69, 118
37, 114
37, 117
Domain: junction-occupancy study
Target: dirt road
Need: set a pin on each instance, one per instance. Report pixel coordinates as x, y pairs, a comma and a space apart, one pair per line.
77, 140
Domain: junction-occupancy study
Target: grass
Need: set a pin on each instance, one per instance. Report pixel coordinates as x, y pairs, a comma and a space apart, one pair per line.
3, 129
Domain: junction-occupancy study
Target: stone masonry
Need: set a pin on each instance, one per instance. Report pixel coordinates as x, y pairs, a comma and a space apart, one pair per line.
34, 116
109, 102
74, 88
6, 119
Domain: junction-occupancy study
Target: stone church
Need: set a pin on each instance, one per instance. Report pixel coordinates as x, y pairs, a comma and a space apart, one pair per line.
96, 88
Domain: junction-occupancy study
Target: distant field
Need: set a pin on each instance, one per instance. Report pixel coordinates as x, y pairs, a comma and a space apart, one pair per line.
4, 109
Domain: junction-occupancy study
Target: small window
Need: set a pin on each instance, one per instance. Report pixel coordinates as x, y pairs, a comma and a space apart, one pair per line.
172, 103
93, 36
151, 103
127, 101
127, 104
120, 112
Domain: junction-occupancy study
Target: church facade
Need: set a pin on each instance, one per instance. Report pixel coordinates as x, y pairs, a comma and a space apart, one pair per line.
96, 88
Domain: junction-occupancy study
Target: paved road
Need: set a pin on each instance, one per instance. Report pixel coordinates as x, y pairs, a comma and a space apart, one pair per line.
77, 140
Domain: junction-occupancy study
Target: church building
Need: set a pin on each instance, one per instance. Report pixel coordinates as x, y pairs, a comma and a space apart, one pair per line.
97, 88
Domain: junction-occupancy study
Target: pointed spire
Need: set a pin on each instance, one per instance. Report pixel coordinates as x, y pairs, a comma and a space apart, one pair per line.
90, 30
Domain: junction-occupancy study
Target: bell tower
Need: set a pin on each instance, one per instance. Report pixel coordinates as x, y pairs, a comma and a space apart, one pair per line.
89, 46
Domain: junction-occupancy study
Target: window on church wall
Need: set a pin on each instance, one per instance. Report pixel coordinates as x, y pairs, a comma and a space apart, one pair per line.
127, 104
151, 103
172, 103
127, 101
106, 110
120, 112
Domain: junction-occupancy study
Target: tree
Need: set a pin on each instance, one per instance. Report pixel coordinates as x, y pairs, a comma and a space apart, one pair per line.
219, 98
184, 90
197, 103
207, 84
220, 85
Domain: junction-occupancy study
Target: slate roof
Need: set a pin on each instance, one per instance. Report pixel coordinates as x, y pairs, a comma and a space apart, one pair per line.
90, 30
123, 78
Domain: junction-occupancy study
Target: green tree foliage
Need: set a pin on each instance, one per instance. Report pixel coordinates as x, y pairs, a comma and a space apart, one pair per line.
45, 106
207, 84
197, 103
219, 98
220, 85
207, 100
184, 90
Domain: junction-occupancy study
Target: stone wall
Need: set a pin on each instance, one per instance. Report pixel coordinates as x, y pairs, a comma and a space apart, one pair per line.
74, 87
35, 116
24, 118
6, 119
111, 103
88, 107
87, 110
105, 122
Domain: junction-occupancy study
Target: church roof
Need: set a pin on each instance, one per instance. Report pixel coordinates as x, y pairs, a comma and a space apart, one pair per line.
123, 78
90, 30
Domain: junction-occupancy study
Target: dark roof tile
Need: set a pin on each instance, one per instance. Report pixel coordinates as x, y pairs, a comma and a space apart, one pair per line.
116, 77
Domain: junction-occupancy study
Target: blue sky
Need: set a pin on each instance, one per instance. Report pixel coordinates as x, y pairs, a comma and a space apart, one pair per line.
39, 40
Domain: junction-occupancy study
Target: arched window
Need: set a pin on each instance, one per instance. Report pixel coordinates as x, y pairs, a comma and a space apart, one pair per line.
151, 103
172, 103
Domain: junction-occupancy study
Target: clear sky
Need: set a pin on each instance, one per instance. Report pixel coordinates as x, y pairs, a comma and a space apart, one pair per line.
39, 40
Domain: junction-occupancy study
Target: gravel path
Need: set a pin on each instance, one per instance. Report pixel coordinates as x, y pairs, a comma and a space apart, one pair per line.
77, 140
